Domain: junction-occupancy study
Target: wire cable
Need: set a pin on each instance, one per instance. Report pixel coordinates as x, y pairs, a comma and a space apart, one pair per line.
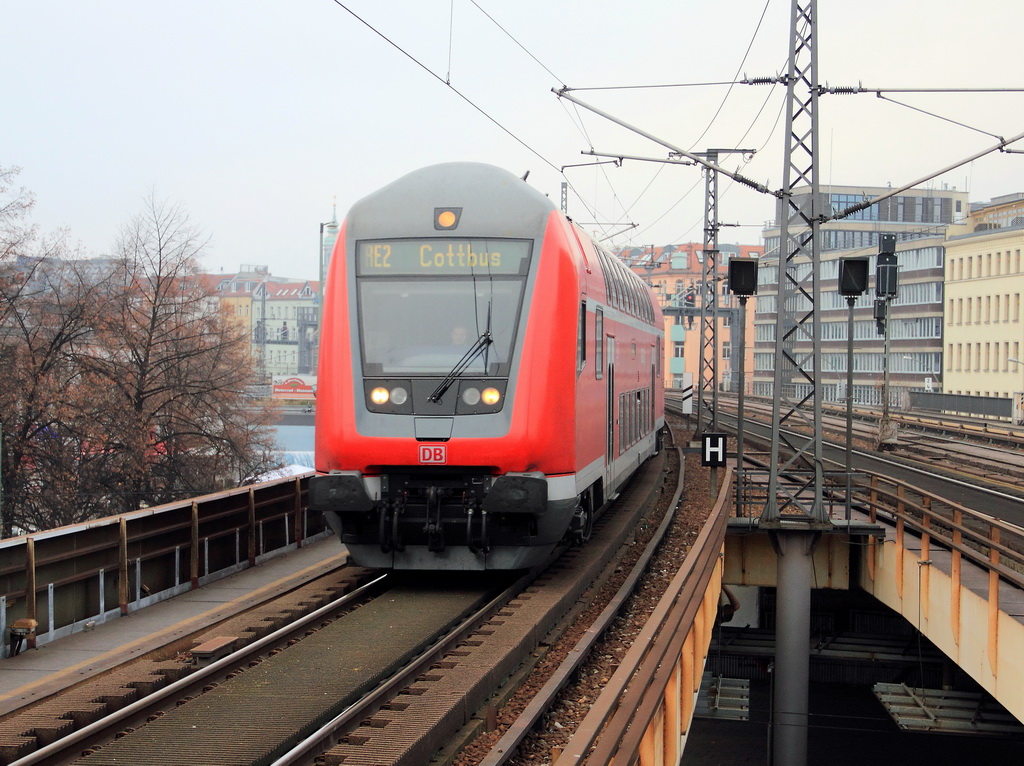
738, 70
578, 121
513, 39
938, 116
661, 85
454, 90
451, 26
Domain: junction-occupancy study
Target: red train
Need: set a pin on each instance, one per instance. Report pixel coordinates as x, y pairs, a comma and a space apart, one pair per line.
489, 376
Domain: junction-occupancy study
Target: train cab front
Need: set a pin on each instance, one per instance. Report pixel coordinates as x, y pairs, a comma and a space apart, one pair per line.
436, 326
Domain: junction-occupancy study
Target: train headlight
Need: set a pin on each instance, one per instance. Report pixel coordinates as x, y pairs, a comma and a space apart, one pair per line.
471, 396
380, 395
399, 395
490, 396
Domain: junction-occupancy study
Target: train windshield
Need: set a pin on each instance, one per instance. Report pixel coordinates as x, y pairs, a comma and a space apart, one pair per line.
423, 304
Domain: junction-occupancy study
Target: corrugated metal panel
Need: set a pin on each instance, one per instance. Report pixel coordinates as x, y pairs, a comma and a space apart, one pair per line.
954, 712
723, 698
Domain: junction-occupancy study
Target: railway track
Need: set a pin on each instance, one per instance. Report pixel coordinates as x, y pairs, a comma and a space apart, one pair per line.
988, 456
417, 663
581, 705
261, 711
439, 708
119, 697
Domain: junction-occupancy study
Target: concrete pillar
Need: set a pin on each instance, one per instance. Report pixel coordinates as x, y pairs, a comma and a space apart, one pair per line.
792, 647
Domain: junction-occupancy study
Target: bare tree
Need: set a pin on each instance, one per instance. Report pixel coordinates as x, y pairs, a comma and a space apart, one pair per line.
124, 385
44, 313
176, 369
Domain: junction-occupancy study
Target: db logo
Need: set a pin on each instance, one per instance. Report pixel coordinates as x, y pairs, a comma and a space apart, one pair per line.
433, 453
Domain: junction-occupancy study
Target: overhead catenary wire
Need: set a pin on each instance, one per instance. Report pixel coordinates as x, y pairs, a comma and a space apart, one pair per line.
574, 117
446, 81
582, 128
578, 122
715, 116
1000, 146
671, 147
739, 69
451, 40
880, 93
454, 90
700, 221
657, 86
513, 39
563, 92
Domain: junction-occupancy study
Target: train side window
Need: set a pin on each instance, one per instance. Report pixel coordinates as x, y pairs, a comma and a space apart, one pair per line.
581, 339
610, 286
599, 344
623, 422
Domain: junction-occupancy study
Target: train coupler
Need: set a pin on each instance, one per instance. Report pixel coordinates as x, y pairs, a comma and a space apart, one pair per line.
477, 540
434, 528
387, 525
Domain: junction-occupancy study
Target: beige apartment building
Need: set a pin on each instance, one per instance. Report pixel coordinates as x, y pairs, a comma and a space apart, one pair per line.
984, 326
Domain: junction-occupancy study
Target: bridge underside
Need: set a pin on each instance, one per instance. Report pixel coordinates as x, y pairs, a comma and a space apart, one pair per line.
974, 625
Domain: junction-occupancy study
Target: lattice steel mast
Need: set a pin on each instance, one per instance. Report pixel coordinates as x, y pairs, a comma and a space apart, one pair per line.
796, 432
707, 392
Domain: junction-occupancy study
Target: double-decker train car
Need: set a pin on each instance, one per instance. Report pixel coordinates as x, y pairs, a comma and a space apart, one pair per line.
489, 376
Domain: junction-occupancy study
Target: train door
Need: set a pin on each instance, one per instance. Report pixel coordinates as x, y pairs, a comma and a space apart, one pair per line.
610, 413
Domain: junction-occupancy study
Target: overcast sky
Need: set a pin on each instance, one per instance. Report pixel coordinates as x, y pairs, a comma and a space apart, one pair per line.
254, 116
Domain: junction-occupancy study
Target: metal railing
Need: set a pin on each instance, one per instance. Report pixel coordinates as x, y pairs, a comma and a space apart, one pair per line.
69, 578
990, 543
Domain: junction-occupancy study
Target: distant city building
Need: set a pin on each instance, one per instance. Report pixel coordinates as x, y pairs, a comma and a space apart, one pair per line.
919, 218
1002, 212
675, 273
285, 324
984, 280
280, 314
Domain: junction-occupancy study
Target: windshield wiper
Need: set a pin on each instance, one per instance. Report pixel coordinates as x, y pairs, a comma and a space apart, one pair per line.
462, 365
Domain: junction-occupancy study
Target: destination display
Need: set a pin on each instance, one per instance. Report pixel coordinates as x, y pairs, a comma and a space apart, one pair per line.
407, 257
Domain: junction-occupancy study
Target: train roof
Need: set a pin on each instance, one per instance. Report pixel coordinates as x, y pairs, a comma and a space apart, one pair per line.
493, 201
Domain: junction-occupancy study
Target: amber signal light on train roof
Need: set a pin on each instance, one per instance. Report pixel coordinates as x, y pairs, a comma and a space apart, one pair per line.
446, 218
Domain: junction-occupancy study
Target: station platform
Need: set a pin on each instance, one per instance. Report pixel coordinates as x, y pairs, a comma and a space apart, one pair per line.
35, 674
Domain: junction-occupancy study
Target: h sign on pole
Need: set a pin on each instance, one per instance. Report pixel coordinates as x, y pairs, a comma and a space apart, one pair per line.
713, 450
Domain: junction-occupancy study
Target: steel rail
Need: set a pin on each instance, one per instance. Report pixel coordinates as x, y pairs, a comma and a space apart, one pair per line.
105, 728
616, 725
989, 430
877, 458
329, 734
505, 748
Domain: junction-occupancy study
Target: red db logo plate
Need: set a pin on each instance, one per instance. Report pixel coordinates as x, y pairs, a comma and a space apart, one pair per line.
433, 453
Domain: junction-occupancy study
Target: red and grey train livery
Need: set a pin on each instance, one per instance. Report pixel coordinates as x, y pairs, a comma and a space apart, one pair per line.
489, 376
